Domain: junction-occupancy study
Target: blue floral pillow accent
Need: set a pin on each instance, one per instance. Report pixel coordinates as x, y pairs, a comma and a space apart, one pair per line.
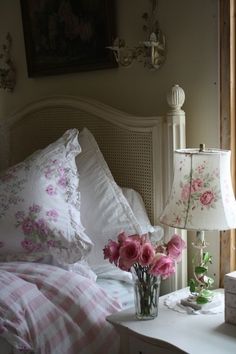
40, 205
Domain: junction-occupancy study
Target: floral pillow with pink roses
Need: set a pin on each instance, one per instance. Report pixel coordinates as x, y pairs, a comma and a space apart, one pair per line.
40, 203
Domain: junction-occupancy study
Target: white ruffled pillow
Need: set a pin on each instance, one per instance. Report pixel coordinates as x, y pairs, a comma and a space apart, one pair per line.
105, 212
138, 207
40, 205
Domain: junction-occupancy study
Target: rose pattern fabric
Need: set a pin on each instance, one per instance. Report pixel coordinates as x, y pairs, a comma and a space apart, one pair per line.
40, 205
39, 235
200, 191
11, 184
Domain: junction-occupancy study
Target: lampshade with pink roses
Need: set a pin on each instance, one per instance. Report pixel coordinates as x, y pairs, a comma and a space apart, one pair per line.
149, 262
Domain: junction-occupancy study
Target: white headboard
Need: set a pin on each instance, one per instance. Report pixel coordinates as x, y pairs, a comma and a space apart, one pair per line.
138, 150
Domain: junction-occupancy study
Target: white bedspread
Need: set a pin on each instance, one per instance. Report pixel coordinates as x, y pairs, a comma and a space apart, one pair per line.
45, 309
119, 290
116, 282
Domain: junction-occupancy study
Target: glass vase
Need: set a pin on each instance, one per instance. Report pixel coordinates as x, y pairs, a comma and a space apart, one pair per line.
146, 295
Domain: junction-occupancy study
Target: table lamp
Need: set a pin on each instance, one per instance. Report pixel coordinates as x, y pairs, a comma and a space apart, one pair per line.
201, 199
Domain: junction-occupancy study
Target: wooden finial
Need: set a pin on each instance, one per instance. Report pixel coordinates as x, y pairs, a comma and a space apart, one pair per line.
202, 147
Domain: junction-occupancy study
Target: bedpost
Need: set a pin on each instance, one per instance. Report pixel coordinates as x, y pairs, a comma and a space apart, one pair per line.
175, 121
175, 125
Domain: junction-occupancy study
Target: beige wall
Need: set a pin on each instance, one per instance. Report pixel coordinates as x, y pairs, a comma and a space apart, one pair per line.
192, 61
191, 29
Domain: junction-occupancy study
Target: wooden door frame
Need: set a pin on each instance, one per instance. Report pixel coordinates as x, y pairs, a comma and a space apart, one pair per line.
227, 117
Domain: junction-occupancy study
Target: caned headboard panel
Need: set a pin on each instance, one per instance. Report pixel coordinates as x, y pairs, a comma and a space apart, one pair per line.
138, 150
41, 127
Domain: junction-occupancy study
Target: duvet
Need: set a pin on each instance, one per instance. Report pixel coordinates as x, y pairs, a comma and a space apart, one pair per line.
47, 310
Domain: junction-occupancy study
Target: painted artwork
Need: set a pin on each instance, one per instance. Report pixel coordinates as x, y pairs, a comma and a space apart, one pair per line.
63, 36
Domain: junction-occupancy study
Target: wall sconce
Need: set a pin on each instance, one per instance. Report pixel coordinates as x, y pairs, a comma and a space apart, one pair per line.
151, 52
7, 69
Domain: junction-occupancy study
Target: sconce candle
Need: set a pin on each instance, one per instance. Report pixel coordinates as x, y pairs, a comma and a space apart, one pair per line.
152, 51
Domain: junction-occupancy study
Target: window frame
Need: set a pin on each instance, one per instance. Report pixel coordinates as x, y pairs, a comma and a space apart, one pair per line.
227, 118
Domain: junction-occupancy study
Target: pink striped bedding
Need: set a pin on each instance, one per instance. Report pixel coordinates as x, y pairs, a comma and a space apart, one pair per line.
48, 310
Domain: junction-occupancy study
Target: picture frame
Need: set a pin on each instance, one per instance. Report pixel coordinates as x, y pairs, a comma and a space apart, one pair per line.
65, 36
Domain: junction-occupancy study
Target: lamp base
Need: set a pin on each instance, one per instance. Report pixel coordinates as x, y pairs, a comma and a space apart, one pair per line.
179, 301
214, 305
201, 282
197, 300
191, 302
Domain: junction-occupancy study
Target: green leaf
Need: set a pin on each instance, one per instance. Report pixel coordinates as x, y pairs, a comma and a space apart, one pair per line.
207, 294
206, 257
200, 270
192, 285
202, 300
209, 281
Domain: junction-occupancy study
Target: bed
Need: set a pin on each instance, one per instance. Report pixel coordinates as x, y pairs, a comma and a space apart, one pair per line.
73, 166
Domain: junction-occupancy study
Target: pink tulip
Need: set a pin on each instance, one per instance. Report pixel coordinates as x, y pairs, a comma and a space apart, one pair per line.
129, 252
175, 247
124, 266
136, 237
111, 251
144, 239
122, 237
162, 265
138, 252
161, 249
147, 254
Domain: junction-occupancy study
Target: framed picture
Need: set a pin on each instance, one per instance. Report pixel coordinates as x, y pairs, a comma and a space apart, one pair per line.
64, 36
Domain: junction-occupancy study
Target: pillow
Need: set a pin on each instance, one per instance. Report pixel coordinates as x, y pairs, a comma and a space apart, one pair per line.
110, 271
105, 212
135, 200
40, 205
137, 205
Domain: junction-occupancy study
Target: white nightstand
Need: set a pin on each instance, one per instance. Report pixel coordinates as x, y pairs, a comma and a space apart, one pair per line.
174, 332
